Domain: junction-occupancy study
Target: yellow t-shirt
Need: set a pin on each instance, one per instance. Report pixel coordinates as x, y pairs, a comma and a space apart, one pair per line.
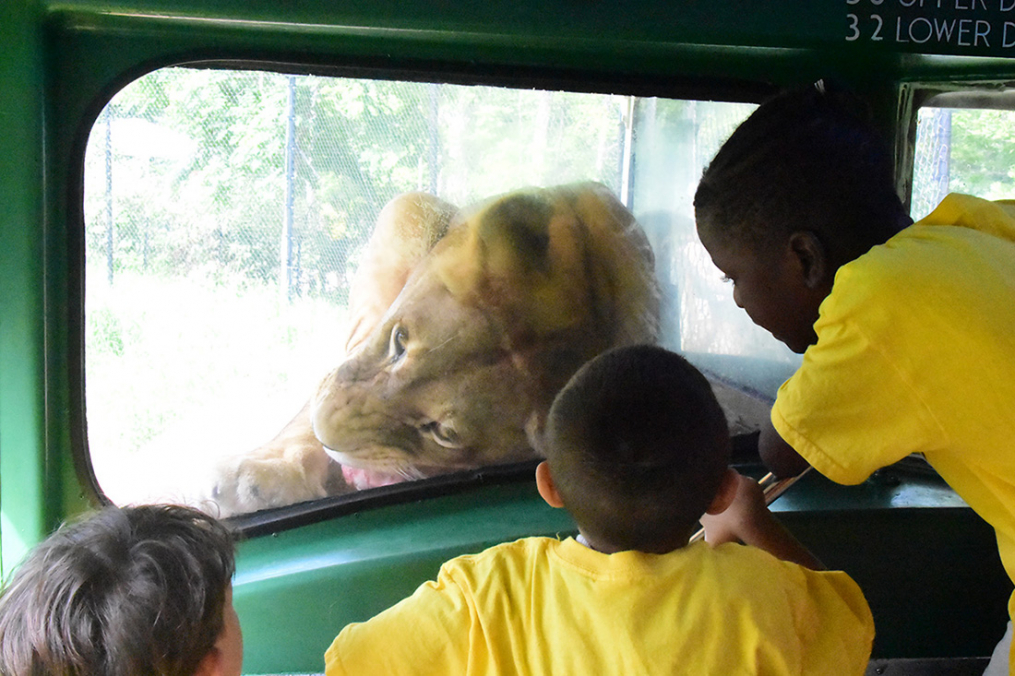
916, 353
543, 606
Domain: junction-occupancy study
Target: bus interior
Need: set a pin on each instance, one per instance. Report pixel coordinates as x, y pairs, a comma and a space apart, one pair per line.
189, 187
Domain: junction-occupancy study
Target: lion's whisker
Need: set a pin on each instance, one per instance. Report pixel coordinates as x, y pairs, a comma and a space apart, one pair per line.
409, 473
437, 347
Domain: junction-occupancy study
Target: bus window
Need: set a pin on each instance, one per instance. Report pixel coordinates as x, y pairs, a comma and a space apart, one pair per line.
226, 211
964, 143
699, 318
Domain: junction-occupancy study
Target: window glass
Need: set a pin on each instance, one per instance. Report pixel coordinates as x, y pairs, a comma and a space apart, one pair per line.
226, 215
963, 150
699, 319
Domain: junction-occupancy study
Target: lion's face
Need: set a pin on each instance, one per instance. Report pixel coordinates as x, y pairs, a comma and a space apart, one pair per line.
432, 389
462, 368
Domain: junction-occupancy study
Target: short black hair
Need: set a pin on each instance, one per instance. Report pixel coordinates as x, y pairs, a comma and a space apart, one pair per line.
637, 447
125, 592
810, 159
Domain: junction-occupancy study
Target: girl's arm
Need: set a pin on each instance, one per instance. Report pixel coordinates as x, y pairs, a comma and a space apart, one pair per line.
778, 456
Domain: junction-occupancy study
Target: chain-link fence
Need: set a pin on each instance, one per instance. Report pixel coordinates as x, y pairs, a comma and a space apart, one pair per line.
224, 211
267, 178
966, 150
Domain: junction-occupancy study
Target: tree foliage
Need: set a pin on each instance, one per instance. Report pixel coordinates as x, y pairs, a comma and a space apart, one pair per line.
194, 172
963, 150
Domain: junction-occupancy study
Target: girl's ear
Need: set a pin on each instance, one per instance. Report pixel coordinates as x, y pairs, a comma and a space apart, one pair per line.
544, 484
812, 257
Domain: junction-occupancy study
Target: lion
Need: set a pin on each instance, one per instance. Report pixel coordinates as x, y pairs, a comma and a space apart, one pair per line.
465, 324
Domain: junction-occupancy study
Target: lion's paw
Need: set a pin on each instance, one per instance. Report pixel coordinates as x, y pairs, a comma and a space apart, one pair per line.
242, 485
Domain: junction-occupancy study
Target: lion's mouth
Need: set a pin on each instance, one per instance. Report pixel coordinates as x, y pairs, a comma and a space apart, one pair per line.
361, 478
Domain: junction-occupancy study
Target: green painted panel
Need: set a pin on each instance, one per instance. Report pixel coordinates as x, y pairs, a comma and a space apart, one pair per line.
296, 589
22, 465
967, 27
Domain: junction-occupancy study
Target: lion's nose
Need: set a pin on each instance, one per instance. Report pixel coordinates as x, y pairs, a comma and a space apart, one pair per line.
347, 371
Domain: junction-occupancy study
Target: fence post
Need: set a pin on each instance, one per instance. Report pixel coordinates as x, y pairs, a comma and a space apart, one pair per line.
108, 113
285, 276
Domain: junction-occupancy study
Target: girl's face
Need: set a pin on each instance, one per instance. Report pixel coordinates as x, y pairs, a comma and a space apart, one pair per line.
773, 287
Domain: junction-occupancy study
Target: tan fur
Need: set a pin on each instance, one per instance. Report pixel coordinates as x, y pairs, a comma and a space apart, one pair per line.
496, 315
407, 228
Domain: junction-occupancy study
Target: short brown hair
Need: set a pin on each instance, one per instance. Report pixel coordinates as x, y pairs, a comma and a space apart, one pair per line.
637, 446
127, 591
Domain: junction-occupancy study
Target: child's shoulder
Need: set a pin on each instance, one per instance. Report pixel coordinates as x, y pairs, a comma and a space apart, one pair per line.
755, 576
522, 549
502, 562
995, 218
745, 565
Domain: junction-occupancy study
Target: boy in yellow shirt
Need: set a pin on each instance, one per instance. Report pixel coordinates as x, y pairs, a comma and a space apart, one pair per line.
637, 450
907, 330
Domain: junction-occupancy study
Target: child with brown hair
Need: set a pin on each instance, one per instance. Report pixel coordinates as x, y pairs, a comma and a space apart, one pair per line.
127, 592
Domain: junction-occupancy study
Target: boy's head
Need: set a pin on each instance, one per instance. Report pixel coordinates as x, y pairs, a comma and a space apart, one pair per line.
803, 186
131, 591
636, 448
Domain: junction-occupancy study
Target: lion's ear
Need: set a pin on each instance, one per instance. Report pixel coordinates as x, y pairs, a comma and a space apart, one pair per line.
518, 258
621, 264
545, 261
498, 250
535, 427
407, 229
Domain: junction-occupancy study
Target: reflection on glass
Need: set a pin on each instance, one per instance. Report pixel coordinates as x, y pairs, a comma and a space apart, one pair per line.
226, 213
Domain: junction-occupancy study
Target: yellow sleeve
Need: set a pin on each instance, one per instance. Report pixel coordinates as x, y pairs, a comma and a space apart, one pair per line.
995, 218
426, 633
794, 621
850, 409
835, 626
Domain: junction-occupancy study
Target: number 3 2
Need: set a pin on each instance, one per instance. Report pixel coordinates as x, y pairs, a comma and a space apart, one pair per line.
854, 28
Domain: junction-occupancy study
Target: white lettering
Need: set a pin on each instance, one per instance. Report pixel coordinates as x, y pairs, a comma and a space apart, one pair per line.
854, 28
944, 30
982, 30
960, 32
964, 29
1008, 39
926, 33
959, 5
898, 32
876, 37
1007, 5
909, 3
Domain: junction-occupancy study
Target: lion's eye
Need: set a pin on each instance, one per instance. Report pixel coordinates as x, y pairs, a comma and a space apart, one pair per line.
399, 337
444, 435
